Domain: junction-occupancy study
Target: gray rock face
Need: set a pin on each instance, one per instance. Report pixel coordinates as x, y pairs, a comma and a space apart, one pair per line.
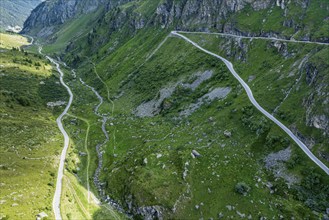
316, 102
201, 77
311, 73
196, 15
203, 13
320, 122
152, 108
275, 163
52, 13
217, 93
150, 212
47, 14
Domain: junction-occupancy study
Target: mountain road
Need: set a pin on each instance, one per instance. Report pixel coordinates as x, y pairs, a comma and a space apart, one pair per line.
229, 65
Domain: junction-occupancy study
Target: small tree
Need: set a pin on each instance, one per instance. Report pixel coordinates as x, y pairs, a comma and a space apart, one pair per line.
242, 188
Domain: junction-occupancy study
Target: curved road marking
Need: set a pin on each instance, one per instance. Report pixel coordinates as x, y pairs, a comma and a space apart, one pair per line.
255, 103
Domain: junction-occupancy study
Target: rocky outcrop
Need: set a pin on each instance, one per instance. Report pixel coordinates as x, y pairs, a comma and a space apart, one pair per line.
311, 73
150, 212
320, 122
203, 14
314, 118
316, 102
275, 163
191, 15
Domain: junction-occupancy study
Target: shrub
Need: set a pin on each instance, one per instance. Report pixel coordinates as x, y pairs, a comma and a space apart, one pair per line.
23, 101
242, 188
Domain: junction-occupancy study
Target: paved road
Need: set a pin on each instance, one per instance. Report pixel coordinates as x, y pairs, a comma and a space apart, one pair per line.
261, 38
255, 103
32, 39
60, 173
29, 43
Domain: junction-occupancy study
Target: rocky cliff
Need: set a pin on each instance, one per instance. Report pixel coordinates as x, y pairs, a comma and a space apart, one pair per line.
248, 17
50, 14
205, 13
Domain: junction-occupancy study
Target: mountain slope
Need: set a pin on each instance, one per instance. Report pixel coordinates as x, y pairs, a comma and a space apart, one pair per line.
15, 12
301, 20
30, 138
184, 140
148, 167
47, 16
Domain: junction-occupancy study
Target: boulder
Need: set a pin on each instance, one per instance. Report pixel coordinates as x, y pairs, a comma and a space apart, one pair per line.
42, 215
196, 153
227, 133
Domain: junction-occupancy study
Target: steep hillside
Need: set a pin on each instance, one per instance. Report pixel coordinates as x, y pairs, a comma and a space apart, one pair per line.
15, 12
159, 119
30, 139
304, 19
173, 134
46, 18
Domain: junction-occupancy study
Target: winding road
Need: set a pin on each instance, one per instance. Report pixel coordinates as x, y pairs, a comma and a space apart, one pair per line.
32, 40
229, 65
259, 38
60, 173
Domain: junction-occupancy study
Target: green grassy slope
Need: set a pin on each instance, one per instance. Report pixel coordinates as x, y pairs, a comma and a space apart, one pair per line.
76, 204
148, 161
73, 30
281, 71
10, 41
30, 140
295, 20
209, 186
